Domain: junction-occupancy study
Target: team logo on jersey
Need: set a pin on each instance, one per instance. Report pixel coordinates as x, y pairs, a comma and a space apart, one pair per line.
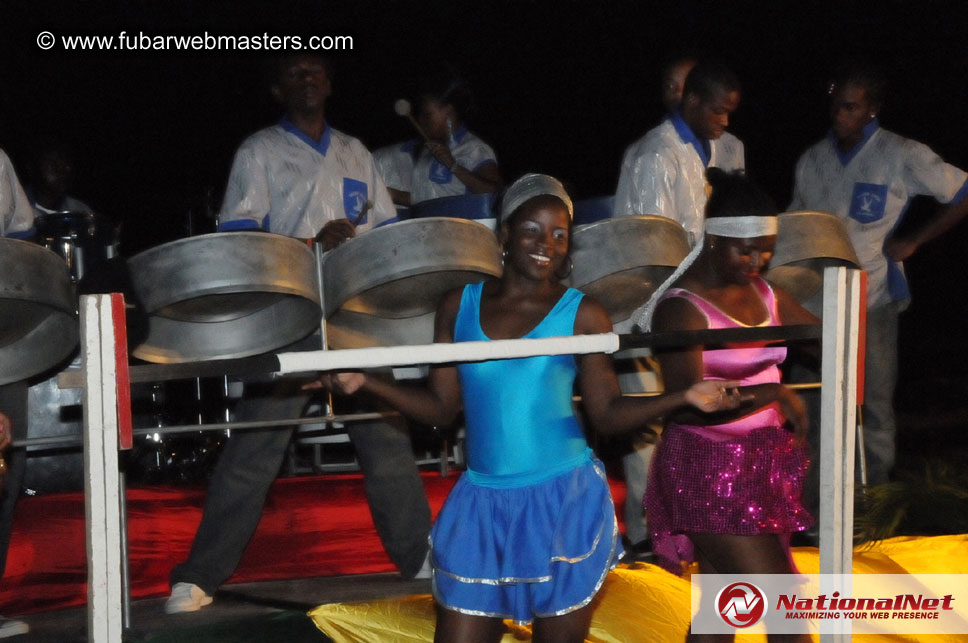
741, 604
439, 173
868, 202
355, 196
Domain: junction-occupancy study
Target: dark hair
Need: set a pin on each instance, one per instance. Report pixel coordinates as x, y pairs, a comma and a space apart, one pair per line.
734, 195
274, 66
674, 61
46, 146
864, 74
446, 86
708, 78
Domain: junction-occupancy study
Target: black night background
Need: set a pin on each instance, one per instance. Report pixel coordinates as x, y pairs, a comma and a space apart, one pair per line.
560, 88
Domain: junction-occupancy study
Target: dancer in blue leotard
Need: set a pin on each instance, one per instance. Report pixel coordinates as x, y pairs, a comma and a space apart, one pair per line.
529, 531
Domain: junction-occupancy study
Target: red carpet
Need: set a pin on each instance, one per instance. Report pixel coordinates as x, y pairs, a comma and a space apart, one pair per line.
312, 526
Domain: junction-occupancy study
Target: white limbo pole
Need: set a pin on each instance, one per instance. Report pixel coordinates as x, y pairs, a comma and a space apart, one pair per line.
838, 402
445, 353
102, 500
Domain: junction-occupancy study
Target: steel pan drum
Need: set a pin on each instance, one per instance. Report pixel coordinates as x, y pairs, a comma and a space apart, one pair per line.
382, 287
225, 295
38, 310
806, 243
621, 261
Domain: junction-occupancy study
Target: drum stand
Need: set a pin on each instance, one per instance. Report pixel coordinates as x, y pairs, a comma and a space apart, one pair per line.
324, 431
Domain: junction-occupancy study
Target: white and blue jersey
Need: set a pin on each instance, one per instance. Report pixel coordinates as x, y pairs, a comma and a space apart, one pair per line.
284, 182
433, 180
664, 173
394, 163
16, 213
870, 188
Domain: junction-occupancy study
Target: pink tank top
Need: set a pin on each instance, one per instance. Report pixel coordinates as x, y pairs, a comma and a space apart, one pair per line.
748, 363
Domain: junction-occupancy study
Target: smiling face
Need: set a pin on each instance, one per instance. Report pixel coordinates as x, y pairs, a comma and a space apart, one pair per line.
738, 261
537, 239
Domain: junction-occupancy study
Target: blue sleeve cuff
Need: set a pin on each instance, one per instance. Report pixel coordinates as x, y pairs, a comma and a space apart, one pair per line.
23, 234
960, 195
239, 224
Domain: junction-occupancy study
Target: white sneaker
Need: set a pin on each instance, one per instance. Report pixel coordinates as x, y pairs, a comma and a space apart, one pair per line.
186, 597
426, 570
12, 627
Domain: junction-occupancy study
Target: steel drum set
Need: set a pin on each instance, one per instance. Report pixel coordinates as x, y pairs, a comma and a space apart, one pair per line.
237, 294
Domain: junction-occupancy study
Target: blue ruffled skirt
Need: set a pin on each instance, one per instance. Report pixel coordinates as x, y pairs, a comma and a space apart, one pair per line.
526, 552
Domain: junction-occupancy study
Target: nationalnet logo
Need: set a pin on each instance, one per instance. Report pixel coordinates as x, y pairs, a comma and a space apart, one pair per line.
741, 604
830, 603
899, 606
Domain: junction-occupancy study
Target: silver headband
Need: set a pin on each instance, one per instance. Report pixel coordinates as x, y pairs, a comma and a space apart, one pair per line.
530, 186
742, 227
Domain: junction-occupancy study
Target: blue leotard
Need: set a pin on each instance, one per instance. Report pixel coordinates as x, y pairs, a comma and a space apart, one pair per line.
521, 423
529, 530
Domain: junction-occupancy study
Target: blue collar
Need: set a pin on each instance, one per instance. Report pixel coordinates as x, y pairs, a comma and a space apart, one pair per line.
701, 145
321, 146
460, 133
866, 133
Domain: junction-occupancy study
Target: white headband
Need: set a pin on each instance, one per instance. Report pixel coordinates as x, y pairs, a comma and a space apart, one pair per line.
742, 227
736, 227
530, 186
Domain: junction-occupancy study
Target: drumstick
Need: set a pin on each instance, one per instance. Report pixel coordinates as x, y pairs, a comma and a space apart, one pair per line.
359, 217
402, 108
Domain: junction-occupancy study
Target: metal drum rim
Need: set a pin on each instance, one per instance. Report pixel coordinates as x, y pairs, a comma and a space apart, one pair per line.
409, 223
334, 260
220, 264
822, 253
627, 217
52, 288
176, 243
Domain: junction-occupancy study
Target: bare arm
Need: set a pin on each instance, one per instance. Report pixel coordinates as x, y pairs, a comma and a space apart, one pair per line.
901, 248
400, 197
683, 368
612, 412
5, 431
485, 179
435, 404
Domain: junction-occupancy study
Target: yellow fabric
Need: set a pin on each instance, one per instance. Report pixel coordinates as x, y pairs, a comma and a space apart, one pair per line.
643, 603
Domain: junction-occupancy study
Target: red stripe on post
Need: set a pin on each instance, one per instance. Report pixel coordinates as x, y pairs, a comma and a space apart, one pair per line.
118, 318
861, 336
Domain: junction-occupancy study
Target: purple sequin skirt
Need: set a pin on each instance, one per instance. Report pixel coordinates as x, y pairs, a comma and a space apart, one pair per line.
743, 485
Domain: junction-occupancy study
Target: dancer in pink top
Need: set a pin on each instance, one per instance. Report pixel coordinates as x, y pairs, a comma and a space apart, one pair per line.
725, 487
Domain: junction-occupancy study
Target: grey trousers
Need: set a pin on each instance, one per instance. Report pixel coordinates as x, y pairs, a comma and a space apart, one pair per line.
880, 380
13, 402
636, 467
250, 461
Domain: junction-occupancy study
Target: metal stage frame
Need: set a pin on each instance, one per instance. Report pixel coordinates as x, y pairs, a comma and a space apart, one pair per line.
106, 379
